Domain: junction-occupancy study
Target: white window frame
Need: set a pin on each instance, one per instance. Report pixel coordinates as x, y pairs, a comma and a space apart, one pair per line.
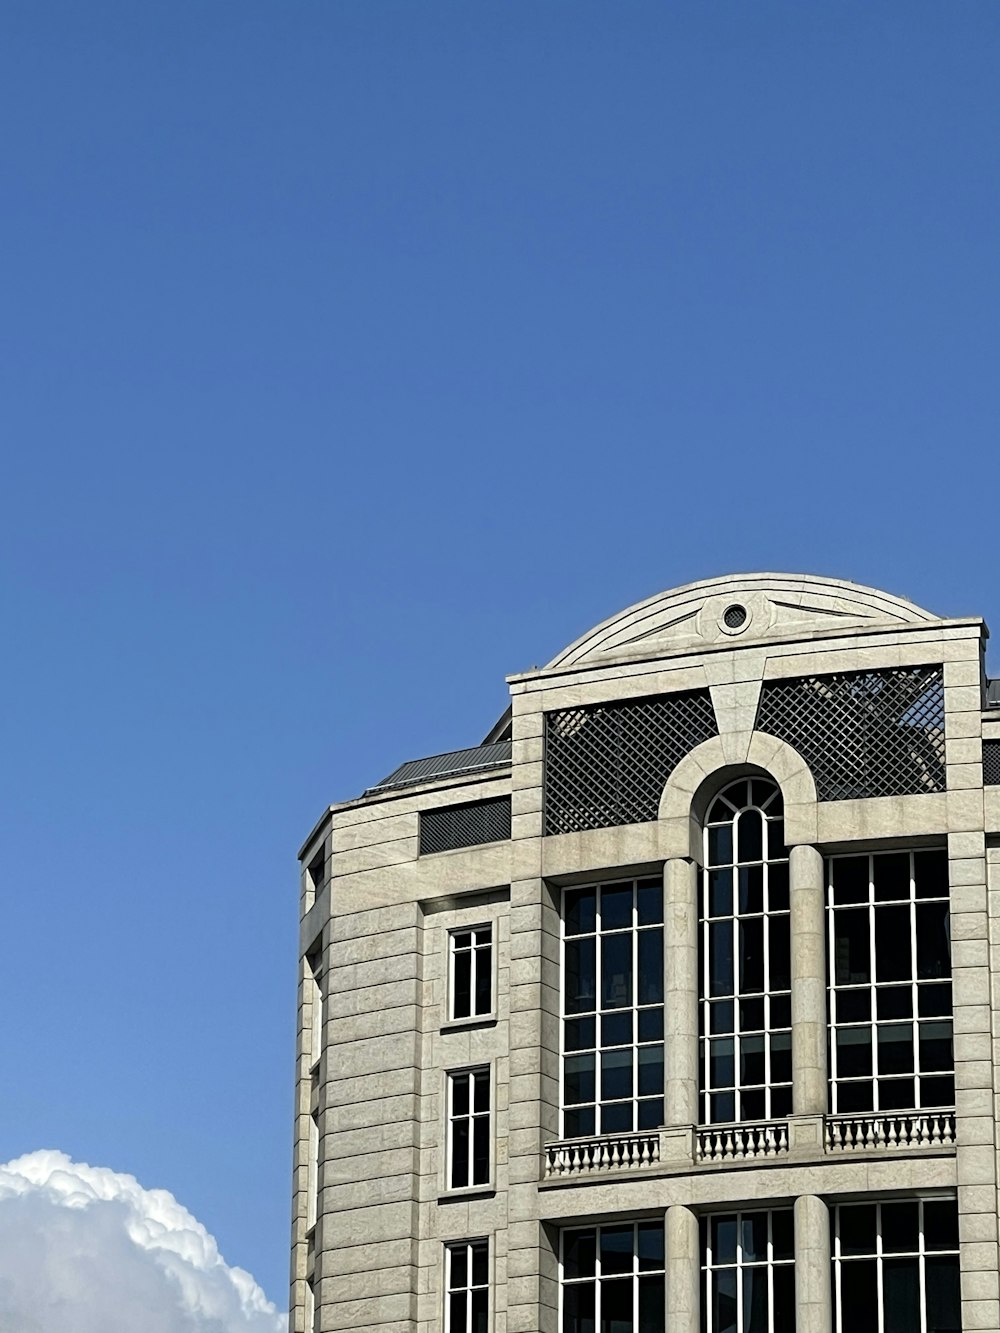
740, 1265
468, 1246
474, 1073
476, 951
598, 1278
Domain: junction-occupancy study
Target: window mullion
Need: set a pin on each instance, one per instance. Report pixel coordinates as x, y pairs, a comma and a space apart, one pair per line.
872, 988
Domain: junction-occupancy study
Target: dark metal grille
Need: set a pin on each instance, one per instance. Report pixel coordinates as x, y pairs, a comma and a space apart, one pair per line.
608, 764
991, 763
464, 825
863, 734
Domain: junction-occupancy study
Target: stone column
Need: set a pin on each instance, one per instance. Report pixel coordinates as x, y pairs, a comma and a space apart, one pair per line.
680, 959
813, 1297
683, 1271
808, 931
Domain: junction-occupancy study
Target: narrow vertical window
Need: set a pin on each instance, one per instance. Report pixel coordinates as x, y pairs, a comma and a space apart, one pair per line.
748, 1272
468, 1283
746, 1005
895, 1267
469, 1128
612, 1278
890, 969
471, 972
612, 1008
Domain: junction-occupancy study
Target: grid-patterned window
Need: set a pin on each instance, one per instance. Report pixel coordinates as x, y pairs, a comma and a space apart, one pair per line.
471, 972
469, 1128
613, 1279
613, 1008
890, 964
468, 1281
748, 1272
746, 1005
895, 1267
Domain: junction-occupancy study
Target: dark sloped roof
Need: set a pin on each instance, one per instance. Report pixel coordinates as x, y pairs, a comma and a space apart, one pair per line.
452, 764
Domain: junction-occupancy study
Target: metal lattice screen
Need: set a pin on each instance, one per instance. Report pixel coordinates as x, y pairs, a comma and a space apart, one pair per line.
991, 763
607, 764
464, 825
863, 734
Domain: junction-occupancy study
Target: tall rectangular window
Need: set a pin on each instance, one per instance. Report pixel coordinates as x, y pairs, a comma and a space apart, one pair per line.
748, 1272
471, 969
613, 1278
469, 1128
890, 968
895, 1267
612, 1071
468, 1282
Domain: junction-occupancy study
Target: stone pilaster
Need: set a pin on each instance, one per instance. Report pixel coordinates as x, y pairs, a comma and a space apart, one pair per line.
813, 1297
809, 1020
683, 1271
680, 915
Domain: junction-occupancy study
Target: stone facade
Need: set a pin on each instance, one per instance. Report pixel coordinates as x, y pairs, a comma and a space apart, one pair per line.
882, 713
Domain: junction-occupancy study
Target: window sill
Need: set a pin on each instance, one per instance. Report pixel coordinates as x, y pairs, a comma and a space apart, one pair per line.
468, 1193
476, 1021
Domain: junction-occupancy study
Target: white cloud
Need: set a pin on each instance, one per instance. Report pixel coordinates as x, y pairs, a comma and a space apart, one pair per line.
84, 1249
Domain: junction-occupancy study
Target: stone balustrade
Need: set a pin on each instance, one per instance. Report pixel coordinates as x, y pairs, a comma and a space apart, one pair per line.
890, 1129
609, 1152
734, 1143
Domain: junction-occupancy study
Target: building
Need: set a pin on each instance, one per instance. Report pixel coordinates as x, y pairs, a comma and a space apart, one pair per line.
676, 1003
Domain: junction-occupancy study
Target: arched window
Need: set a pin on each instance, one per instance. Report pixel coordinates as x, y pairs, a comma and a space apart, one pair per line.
746, 1006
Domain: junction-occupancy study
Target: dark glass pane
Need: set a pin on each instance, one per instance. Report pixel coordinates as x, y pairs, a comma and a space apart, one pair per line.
933, 943
581, 911
463, 940
650, 1071
761, 792
649, 898
460, 1094
484, 978
616, 1306
777, 887
650, 967
651, 1113
616, 1249
650, 1024
650, 1246
784, 1298
901, 1295
720, 958
749, 836
720, 892
900, 1227
458, 1275
723, 1107
894, 1001
895, 1049
652, 1305
463, 985
854, 1006
460, 1154
930, 874
752, 1015
458, 1301
751, 888
944, 1306
721, 1016
854, 1052
891, 877
480, 1265
937, 1092
896, 1094
781, 1101
781, 1058
752, 955
481, 1095
780, 959
723, 1231
616, 907
755, 1302
484, 935
721, 1063
578, 1308
616, 1029
480, 1312
579, 1078
616, 971
481, 1150
851, 948
936, 1048
753, 1104
580, 1033
783, 1234
753, 1236
858, 1293
616, 1074
892, 944
850, 879
724, 1301
854, 1097
721, 811
781, 1011
720, 845
751, 1060
581, 975
616, 1117
941, 1224
580, 1123
776, 839
934, 1001
857, 1228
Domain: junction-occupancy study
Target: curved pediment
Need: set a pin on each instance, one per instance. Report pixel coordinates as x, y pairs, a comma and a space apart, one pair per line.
740, 607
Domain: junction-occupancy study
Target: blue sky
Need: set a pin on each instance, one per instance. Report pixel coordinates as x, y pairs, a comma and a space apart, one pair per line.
355, 353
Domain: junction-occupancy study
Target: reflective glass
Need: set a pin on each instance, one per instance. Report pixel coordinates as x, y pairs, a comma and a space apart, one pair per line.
616, 1249
616, 907
616, 971
649, 897
580, 907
